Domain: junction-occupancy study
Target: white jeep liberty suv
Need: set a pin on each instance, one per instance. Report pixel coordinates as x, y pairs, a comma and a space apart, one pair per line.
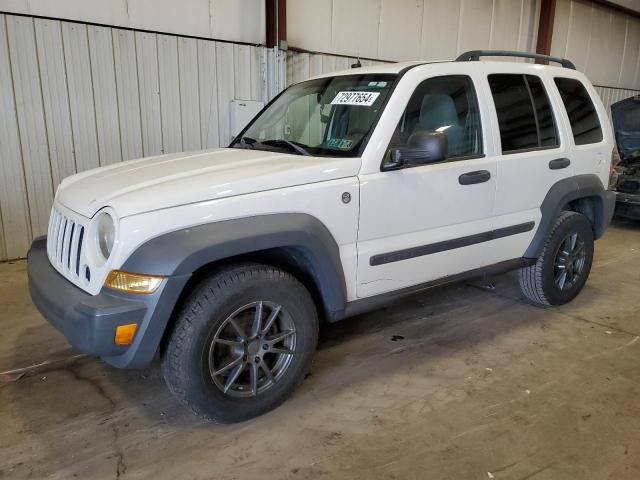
347, 191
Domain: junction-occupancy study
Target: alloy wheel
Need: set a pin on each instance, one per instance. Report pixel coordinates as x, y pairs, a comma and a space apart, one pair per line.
252, 349
569, 261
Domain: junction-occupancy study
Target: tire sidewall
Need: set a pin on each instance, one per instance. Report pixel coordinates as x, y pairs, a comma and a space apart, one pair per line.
574, 223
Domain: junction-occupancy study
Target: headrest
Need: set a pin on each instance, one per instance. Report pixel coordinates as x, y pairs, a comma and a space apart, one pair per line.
437, 111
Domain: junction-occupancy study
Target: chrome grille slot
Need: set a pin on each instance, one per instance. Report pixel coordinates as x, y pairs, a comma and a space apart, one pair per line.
64, 243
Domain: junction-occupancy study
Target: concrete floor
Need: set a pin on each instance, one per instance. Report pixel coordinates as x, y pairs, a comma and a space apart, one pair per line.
461, 382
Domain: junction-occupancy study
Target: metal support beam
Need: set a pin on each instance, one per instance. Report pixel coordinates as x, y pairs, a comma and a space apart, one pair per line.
545, 28
276, 18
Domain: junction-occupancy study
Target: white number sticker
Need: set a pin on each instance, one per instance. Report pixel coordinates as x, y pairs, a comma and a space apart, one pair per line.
365, 99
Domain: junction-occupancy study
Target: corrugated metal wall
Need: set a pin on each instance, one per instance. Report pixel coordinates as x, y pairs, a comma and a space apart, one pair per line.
76, 96
301, 66
411, 29
603, 43
613, 95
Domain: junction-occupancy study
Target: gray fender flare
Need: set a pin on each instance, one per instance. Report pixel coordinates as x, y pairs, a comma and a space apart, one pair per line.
182, 252
565, 191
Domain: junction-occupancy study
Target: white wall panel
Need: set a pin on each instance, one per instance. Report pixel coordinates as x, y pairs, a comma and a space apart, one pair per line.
603, 43
15, 228
630, 71
440, 22
103, 75
610, 96
80, 84
31, 120
398, 30
169, 77
189, 101
149, 87
476, 19
242, 67
237, 20
208, 92
75, 96
302, 65
345, 37
226, 78
529, 25
313, 35
506, 24
258, 73
396, 17
126, 68
55, 98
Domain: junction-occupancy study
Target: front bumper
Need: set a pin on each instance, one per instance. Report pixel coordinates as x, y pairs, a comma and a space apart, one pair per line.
628, 205
89, 321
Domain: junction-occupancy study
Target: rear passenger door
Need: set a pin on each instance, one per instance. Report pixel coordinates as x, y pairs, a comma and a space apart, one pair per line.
534, 154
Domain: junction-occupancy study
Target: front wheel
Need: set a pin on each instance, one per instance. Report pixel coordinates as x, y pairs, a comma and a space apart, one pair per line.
562, 268
241, 343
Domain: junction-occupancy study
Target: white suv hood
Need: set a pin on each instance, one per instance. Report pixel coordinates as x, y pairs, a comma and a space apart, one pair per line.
165, 181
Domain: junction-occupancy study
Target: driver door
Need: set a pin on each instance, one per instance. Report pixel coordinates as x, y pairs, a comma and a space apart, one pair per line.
421, 223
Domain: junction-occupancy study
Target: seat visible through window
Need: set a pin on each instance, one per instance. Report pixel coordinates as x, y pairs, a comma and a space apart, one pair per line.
447, 105
438, 113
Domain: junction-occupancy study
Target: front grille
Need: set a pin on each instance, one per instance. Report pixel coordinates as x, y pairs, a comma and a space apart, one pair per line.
64, 243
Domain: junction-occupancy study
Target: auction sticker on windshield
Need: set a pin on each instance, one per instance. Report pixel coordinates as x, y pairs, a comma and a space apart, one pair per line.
365, 99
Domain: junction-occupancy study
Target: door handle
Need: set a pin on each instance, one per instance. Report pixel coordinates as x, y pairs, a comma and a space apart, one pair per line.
479, 176
559, 163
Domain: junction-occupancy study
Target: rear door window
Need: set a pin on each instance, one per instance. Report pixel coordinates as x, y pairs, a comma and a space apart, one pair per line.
585, 124
524, 112
544, 114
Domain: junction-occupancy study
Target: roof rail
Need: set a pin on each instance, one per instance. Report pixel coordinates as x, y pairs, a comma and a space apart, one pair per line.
474, 55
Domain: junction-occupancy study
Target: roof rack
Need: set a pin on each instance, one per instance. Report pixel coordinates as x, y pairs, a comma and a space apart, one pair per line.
474, 55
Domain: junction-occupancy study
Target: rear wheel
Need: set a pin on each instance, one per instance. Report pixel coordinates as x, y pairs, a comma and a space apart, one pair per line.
241, 343
562, 268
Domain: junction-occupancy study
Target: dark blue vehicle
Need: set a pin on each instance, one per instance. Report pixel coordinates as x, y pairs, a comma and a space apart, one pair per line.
626, 123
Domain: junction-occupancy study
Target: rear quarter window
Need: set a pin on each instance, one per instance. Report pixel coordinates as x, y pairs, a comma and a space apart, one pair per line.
585, 124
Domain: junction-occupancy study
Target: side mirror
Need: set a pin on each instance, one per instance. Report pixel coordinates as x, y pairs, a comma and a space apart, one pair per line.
424, 147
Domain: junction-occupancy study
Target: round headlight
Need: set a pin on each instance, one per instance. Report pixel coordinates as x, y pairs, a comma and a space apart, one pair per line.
105, 233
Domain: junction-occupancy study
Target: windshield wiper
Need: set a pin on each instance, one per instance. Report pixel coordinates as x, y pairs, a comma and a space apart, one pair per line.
245, 142
294, 146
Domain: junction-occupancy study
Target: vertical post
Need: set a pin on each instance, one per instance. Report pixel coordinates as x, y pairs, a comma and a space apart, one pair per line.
276, 19
545, 28
276, 40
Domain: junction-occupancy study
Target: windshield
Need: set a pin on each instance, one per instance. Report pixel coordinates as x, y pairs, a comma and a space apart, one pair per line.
325, 117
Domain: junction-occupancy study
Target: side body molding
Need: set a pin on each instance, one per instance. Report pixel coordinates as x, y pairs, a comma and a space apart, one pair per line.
184, 251
599, 209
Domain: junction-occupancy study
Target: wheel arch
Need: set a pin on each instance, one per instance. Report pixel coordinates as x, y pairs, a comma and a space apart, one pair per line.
584, 194
297, 243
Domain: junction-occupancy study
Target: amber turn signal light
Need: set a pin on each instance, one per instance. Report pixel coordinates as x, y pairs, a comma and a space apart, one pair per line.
124, 334
132, 282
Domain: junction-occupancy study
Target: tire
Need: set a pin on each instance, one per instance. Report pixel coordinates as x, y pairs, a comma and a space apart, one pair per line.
207, 336
542, 282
